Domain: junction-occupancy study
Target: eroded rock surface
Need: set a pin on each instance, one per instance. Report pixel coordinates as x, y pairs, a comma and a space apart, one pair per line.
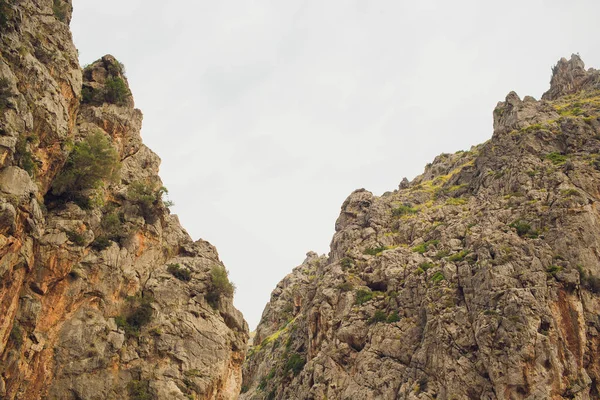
480, 279
103, 294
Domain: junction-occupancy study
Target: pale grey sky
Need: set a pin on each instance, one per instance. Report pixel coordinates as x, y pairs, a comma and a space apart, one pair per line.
268, 114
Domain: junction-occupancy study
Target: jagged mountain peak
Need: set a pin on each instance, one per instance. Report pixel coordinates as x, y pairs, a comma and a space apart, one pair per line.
477, 279
570, 76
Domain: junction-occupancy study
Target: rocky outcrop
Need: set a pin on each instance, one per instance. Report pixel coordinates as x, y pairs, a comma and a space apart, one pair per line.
104, 295
479, 279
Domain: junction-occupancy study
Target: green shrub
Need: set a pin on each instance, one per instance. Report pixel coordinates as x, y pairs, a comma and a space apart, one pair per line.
6, 14
345, 287
112, 227
556, 158
101, 243
16, 335
76, 238
457, 257
139, 390
147, 197
116, 91
112, 224
441, 254
589, 282
220, 285
393, 317
116, 68
183, 274
524, 229
425, 266
346, 262
294, 363
60, 10
373, 251
456, 201
553, 269
5, 92
423, 247
570, 192
363, 295
139, 315
404, 210
379, 316
437, 277
420, 248
89, 95
23, 156
91, 161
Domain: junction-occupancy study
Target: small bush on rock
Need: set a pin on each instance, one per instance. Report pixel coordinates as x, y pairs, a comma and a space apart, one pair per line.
147, 197
5, 92
183, 274
116, 91
60, 10
393, 317
220, 285
294, 363
139, 390
6, 14
91, 161
362, 296
379, 316
140, 314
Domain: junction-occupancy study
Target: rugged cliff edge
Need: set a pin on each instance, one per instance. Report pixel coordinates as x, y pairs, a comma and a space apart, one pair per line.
479, 279
103, 295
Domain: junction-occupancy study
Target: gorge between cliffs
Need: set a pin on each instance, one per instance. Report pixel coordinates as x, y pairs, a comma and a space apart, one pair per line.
478, 279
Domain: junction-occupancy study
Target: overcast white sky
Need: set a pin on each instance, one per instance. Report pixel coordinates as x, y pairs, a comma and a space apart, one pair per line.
268, 114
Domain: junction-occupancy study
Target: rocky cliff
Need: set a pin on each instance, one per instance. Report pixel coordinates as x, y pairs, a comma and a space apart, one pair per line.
480, 279
103, 295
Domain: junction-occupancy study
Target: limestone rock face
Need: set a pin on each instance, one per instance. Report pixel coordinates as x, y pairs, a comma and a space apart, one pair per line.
480, 279
103, 294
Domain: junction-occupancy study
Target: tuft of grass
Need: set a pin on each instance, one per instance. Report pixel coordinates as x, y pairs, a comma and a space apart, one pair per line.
570, 192
345, 287
362, 296
452, 201
437, 277
379, 316
346, 262
423, 247
373, 251
393, 317
552, 270
457, 257
404, 210
441, 254
556, 158
426, 265
524, 229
